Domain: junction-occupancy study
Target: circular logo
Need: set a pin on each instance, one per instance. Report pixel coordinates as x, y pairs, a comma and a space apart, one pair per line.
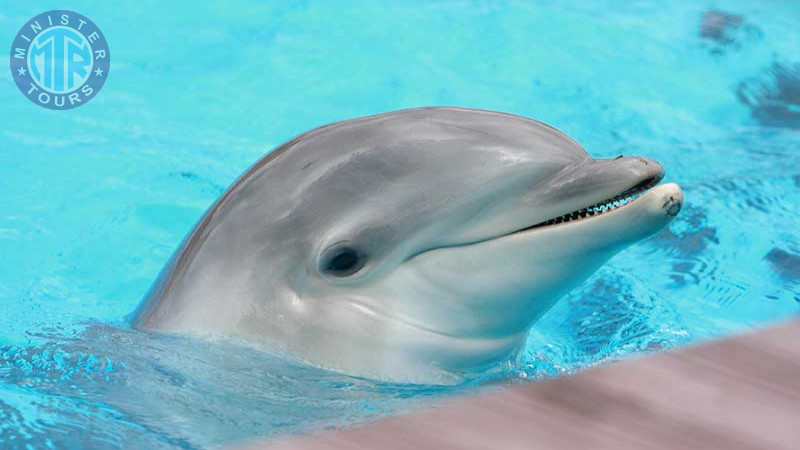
60, 59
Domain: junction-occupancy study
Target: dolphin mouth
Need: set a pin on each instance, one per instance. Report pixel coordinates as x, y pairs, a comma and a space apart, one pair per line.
610, 204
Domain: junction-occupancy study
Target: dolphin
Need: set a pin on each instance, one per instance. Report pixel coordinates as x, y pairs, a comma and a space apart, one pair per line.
416, 246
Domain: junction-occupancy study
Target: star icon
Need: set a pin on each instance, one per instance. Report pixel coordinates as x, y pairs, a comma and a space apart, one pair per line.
21, 71
98, 72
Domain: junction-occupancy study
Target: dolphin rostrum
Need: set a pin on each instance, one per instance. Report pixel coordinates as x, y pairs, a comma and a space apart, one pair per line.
414, 246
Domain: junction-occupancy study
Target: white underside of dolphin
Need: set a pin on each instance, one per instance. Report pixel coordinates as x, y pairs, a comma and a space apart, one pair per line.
414, 246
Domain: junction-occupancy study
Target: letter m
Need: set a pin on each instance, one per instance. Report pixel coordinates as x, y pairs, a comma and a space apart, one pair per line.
19, 53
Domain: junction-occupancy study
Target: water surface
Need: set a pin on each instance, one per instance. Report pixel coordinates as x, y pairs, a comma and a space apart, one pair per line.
95, 199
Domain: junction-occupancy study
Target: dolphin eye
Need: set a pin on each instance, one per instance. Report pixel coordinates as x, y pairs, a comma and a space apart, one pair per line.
341, 260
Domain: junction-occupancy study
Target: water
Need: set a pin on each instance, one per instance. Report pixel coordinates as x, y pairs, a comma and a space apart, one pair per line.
95, 199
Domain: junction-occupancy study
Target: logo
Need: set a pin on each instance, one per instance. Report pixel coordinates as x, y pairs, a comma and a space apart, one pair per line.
60, 59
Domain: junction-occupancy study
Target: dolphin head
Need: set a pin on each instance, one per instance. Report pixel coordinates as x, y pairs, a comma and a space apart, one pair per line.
412, 246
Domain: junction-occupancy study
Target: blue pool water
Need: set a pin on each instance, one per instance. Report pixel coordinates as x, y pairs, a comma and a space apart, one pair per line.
94, 200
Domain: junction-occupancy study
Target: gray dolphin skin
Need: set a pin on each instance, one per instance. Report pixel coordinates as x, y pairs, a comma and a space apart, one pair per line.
416, 246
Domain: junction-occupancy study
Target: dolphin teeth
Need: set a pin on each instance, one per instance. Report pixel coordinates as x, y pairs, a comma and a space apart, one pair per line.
618, 201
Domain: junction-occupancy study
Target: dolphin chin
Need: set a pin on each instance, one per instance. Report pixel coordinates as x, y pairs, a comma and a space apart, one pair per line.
414, 246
